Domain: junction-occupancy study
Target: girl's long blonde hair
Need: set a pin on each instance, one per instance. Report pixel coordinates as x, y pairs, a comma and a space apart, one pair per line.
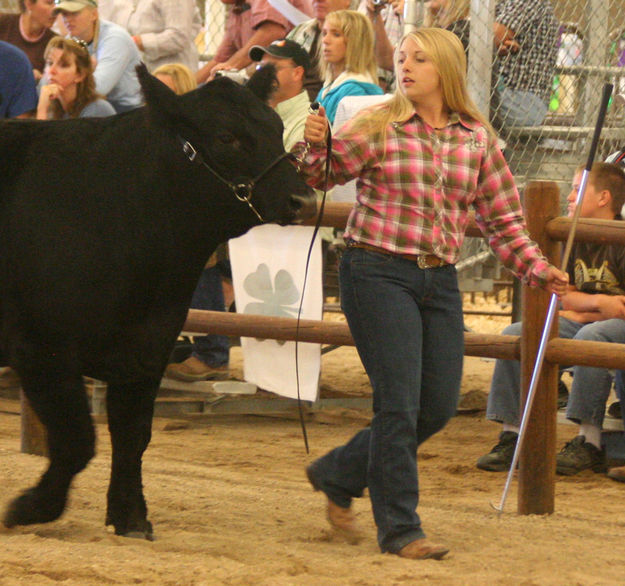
359, 42
447, 54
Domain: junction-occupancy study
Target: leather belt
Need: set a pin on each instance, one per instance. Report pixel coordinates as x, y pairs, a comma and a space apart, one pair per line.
424, 261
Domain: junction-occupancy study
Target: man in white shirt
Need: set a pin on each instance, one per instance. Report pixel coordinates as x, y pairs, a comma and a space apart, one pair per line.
163, 30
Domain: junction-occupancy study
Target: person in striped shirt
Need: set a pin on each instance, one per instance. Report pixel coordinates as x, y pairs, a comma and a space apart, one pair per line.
422, 161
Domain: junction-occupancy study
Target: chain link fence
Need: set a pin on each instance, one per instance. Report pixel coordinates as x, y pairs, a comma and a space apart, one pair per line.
590, 49
9, 6
214, 13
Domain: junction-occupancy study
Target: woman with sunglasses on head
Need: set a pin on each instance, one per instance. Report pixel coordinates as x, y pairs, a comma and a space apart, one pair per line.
423, 160
70, 91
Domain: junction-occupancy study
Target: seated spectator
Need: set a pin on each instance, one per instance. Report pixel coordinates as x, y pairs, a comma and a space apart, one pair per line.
347, 61
114, 51
452, 15
70, 91
387, 19
248, 24
163, 30
308, 35
526, 39
177, 77
30, 30
18, 94
592, 309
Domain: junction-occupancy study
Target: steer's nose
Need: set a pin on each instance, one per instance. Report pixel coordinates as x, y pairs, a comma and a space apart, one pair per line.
305, 206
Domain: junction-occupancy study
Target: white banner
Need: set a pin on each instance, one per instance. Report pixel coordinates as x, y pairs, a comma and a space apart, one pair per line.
268, 265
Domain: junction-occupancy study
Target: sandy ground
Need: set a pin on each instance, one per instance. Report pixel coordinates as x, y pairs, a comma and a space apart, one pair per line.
230, 505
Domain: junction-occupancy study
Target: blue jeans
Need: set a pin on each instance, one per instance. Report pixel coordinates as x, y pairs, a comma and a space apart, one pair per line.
590, 388
408, 328
212, 349
519, 107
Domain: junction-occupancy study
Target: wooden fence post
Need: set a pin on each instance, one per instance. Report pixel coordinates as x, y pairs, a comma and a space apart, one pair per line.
33, 434
536, 494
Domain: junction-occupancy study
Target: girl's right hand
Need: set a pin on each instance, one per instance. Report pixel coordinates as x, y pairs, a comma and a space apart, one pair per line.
316, 128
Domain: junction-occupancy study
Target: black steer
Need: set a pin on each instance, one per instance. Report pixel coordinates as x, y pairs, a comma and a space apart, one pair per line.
105, 226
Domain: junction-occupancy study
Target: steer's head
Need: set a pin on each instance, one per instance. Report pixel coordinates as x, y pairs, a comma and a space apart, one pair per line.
239, 138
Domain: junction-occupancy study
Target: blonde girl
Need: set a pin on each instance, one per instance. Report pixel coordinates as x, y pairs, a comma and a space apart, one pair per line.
347, 62
423, 161
177, 77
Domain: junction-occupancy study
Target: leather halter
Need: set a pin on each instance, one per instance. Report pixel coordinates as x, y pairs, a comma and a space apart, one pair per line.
242, 190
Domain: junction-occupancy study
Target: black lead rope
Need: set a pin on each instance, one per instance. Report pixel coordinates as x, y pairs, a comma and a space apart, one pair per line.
314, 107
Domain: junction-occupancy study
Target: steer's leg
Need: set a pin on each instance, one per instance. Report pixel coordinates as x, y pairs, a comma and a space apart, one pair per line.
130, 408
58, 398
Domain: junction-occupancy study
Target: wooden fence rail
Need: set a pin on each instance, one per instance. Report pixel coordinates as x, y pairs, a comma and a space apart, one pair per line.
559, 350
537, 462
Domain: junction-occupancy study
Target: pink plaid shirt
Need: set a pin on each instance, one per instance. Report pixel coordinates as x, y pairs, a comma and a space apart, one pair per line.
415, 192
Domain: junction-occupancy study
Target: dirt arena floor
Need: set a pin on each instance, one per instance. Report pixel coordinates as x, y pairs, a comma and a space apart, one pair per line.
230, 505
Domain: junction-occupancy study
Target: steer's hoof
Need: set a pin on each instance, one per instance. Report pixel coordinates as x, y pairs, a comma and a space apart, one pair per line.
29, 508
148, 535
141, 530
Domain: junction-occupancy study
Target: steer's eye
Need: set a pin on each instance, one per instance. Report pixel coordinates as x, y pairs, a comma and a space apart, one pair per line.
228, 138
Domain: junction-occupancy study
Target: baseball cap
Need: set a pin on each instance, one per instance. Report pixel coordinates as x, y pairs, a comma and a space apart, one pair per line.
282, 49
74, 5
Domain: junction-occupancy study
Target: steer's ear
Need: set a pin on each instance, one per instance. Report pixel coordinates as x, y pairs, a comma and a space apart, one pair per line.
162, 102
264, 82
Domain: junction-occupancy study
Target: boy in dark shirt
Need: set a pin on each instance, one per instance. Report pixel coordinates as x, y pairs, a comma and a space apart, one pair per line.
593, 309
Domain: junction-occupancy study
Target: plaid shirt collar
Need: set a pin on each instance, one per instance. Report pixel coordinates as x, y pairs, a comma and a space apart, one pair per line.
454, 118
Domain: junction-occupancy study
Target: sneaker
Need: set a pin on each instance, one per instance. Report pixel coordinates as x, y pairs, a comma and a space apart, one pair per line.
193, 370
578, 455
499, 459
